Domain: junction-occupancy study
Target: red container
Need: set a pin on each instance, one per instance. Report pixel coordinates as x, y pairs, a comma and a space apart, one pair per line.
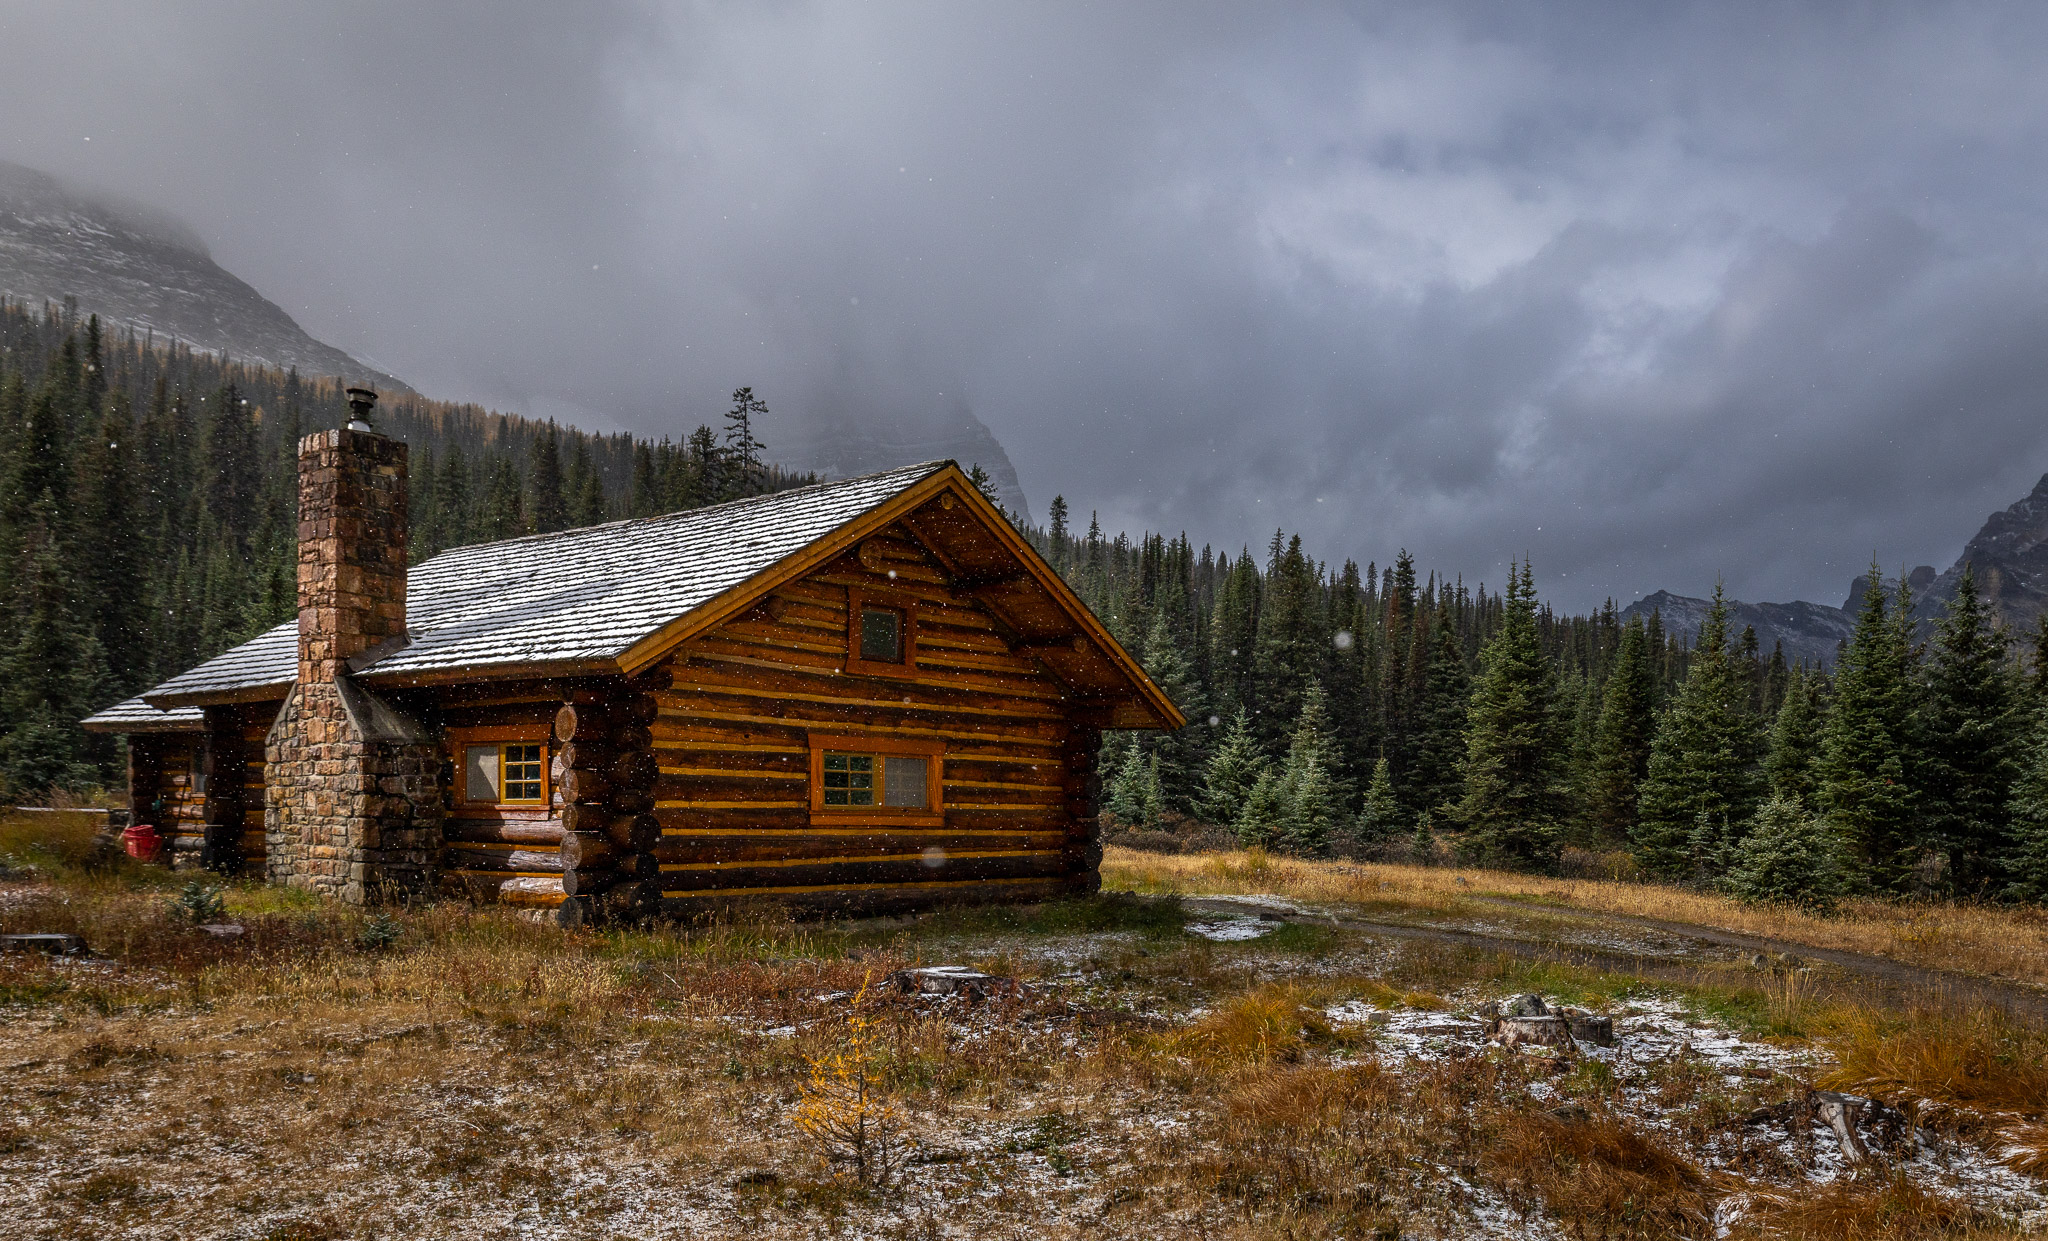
142, 842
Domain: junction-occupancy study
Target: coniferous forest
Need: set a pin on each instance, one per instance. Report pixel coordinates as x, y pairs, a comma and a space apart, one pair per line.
147, 511
146, 523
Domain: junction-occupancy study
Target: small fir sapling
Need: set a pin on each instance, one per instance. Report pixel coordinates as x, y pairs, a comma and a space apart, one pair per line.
1789, 857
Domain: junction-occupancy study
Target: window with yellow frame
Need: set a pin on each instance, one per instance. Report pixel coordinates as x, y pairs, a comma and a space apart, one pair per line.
505, 773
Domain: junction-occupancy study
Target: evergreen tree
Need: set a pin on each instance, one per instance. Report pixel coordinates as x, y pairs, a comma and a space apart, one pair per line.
1788, 858
1622, 739
1704, 778
1970, 737
1866, 748
2026, 859
51, 673
1265, 807
740, 456
1795, 738
1514, 782
1310, 802
1290, 642
1134, 794
550, 505
1232, 772
1437, 774
1380, 817
1175, 755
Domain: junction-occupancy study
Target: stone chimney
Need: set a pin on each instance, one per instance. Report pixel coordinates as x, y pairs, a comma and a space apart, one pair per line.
352, 804
352, 535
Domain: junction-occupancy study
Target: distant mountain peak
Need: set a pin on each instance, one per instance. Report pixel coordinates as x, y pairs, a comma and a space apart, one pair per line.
142, 268
1810, 633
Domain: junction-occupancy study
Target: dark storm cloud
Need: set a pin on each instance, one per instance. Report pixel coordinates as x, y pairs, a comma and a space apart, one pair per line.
1650, 295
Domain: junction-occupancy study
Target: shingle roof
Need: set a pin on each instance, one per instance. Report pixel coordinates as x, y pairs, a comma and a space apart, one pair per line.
578, 596
137, 716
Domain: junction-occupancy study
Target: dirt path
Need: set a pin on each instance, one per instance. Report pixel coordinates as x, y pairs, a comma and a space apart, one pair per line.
1899, 983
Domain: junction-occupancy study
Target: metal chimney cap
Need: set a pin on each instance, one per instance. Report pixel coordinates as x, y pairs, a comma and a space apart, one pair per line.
360, 402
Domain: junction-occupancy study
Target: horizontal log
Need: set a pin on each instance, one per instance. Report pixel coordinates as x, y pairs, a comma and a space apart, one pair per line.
585, 786
907, 693
588, 851
586, 755
634, 833
851, 718
1021, 864
589, 882
510, 831
544, 891
606, 720
628, 900
910, 844
574, 912
634, 769
876, 898
532, 891
507, 858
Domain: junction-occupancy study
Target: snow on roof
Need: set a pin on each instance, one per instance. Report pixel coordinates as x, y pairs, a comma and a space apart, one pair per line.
137, 716
579, 596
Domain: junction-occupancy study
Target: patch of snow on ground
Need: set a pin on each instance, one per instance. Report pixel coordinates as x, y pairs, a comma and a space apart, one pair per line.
1227, 930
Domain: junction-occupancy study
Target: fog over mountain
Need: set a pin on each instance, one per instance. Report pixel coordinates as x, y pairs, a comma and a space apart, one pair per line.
1652, 295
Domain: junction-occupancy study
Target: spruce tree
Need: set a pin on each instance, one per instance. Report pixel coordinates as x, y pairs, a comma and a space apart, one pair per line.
1380, 816
1796, 737
1436, 776
1704, 778
1232, 772
1788, 858
1311, 802
2026, 858
1265, 807
1969, 730
1175, 754
1622, 739
1861, 773
1514, 778
550, 506
740, 455
1134, 794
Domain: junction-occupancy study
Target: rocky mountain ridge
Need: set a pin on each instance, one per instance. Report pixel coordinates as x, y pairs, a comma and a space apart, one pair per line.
139, 268
2008, 556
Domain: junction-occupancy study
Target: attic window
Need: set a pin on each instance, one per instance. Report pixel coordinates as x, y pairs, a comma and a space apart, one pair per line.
881, 632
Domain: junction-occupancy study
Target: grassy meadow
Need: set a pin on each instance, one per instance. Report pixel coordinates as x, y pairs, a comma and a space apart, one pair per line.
452, 1071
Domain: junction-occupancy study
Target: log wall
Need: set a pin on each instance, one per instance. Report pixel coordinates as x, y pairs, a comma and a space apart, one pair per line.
737, 707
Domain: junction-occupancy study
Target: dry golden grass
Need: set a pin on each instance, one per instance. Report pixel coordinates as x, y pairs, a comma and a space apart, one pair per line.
1991, 940
487, 1075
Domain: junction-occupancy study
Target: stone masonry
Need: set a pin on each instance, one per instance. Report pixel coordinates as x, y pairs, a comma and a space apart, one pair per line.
352, 802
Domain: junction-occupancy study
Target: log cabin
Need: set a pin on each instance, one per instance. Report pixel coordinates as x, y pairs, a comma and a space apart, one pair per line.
861, 695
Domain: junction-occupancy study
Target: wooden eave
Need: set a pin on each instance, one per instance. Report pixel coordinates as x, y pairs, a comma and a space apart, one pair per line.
222, 697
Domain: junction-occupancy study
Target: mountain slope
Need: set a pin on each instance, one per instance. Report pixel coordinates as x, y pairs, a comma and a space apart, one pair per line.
1809, 631
136, 267
2010, 555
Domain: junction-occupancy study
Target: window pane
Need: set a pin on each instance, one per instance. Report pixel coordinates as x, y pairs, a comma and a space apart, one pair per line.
881, 635
522, 773
903, 782
480, 773
849, 779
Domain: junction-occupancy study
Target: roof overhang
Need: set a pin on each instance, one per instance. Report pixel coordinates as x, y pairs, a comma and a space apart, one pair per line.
274, 692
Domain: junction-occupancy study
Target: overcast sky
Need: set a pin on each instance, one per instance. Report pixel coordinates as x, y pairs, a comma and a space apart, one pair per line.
1651, 293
